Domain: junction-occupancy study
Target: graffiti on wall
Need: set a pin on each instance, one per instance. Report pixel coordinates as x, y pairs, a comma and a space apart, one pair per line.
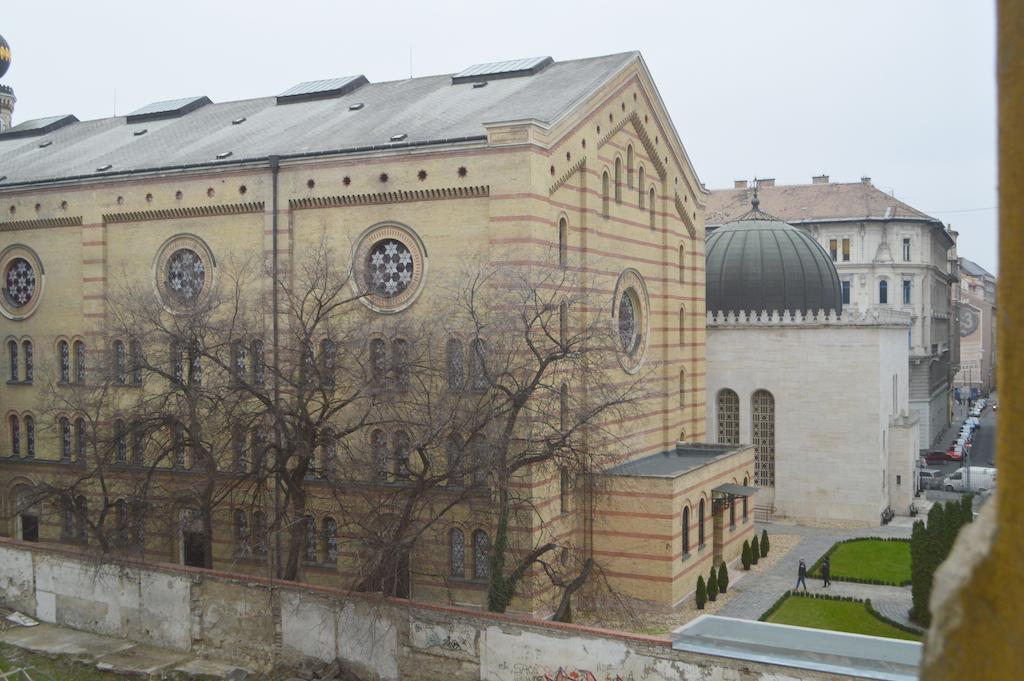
576, 675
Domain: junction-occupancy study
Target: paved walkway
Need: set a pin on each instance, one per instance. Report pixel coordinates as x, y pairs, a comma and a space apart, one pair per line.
753, 596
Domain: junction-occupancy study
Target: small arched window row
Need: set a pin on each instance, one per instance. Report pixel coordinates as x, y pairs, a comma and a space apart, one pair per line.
391, 364
20, 354
21, 431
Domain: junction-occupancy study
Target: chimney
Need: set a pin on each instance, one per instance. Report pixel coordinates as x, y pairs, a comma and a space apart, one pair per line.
865, 179
7, 100
819, 179
766, 182
739, 184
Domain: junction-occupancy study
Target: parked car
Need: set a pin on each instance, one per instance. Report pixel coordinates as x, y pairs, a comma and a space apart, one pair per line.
981, 478
930, 478
937, 456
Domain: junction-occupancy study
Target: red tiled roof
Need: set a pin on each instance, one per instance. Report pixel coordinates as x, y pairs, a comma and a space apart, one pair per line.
800, 202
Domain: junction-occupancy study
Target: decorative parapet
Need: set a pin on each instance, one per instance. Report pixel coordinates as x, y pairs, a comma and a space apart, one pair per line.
851, 316
184, 212
42, 223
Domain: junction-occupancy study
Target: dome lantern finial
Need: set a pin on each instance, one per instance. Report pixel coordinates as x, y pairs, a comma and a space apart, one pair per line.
755, 202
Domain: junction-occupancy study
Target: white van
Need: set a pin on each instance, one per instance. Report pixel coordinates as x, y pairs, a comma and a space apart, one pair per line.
981, 478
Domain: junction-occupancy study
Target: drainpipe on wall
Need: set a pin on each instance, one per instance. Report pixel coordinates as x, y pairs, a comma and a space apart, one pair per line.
275, 165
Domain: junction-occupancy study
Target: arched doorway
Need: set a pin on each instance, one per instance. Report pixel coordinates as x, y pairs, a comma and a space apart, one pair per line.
26, 514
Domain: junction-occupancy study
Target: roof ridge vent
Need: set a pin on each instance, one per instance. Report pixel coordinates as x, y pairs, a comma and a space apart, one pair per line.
169, 108
322, 89
513, 68
38, 126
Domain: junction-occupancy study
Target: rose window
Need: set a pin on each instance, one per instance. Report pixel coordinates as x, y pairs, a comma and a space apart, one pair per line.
628, 336
389, 268
186, 275
21, 282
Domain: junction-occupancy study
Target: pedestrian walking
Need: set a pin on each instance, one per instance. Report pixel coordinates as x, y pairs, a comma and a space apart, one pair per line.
801, 576
826, 574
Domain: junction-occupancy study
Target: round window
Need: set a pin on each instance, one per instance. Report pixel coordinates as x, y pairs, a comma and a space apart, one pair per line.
389, 268
629, 336
185, 276
390, 262
20, 282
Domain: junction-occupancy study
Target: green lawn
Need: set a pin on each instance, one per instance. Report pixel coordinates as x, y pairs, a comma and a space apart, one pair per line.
886, 561
43, 668
848, 616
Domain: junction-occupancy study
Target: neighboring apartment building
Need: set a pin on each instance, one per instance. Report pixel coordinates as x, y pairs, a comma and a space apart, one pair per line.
572, 166
977, 303
887, 253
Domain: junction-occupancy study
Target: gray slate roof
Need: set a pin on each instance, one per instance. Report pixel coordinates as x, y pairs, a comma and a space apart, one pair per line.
672, 463
974, 269
429, 110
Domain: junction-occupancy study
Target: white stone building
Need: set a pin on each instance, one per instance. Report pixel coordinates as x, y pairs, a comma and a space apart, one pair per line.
823, 397
887, 254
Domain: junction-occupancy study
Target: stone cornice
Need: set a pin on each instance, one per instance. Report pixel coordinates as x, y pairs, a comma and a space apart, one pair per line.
41, 223
575, 168
184, 212
851, 316
399, 196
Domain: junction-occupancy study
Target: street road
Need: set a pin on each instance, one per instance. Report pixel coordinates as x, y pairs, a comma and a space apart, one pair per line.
982, 454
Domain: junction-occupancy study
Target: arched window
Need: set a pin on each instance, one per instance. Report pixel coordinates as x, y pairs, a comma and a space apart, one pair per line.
239, 356
727, 408
177, 362
256, 361
195, 362
26, 347
686, 530
682, 325
629, 166
456, 553
30, 437
883, 292
478, 365
65, 438
455, 362
310, 544
401, 448
700, 524
64, 357
138, 443
79, 362
732, 511
563, 244
120, 442
481, 555
400, 363
328, 361
135, 360
238, 449
80, 440
120, 363
178, 441
478, 450
618, 180
12, 349
242, 538
605, 189
330, 454
563, 325
329, 538
564, 487
652, 207
640, 177
682, 264
121, 523
453, 450
15, 427
746, 482
259, 533
762, 414
67, 520
379, 452
378, 363
81, 520
682, 388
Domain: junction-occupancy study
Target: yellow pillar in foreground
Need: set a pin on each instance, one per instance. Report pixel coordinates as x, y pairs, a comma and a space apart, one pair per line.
978, 602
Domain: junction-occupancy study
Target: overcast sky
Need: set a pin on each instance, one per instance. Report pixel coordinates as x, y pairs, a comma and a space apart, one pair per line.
902, 91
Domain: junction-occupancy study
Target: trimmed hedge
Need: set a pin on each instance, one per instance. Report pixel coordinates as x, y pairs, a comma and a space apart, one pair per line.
892, 622
815, 570
929, 546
